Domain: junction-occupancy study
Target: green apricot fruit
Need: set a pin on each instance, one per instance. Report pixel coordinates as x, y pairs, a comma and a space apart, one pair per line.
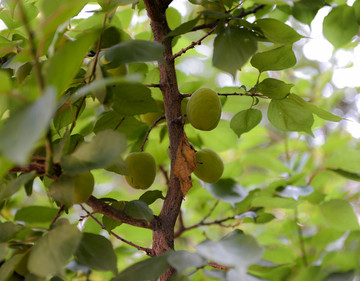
204, 109
150, 117
83, 187
209, 166
142, 170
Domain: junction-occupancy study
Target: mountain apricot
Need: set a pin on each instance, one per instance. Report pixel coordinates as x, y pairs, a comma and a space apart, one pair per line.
142, 170
150, 117
209, 166
204, 109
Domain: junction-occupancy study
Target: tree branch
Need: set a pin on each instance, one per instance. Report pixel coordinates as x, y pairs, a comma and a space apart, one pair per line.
150, 129
148, 251
101, 207
203, 222
193, 44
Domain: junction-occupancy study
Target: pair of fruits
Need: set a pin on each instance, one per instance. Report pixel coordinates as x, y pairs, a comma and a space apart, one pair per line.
204, 111
142, 168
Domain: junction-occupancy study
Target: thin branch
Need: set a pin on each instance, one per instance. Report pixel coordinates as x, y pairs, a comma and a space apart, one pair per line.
62, 207
101, 207
233, 94
153, 85
77, 113
148, 132
240, 16
148, 251
193, 44
182, 228
120, 122
314, 175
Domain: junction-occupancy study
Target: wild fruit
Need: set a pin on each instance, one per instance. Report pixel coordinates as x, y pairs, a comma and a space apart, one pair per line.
209, 166
204, 109
150, 117
83, 187
142, 169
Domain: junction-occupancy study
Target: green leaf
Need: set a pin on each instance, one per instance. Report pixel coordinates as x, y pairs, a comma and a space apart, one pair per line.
237, 249
51, 252
129, 125
62, 67
181, 260
340, 25
148, 269
96, 252
277, 31
134, 51
274, 88
8, 230
346, 174
8, 267
289, 115
277, 59
103, 150
295, 192
227, 190
24, 128
326, 115
339, 215
341, 276
345, 159
139, 209
228, 56
133, 98
274, 202
306, 10
63, 190
183, 28
245, 120
5, 83
53, 16
15, 185
151, 196
110, 223
356, 7
36, 214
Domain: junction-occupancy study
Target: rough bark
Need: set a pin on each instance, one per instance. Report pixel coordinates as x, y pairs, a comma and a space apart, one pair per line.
163, 232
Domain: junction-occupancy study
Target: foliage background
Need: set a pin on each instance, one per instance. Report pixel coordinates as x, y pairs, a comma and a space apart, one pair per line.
292, 195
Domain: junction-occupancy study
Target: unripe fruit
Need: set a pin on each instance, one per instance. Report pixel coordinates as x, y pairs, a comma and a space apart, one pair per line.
83, 187
209, 166
142, 169
204, 109
150, 117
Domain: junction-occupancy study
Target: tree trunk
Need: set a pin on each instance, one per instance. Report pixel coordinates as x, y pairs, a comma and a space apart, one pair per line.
163, 234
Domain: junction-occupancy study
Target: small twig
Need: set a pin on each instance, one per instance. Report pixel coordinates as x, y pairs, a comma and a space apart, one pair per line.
193, 44
314, 175
153, 85
301, 238
120, 122
148, 251
218, 266
237, 6
148, 132
211, 211
233, 94
182, 228
62, 207
77, 113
